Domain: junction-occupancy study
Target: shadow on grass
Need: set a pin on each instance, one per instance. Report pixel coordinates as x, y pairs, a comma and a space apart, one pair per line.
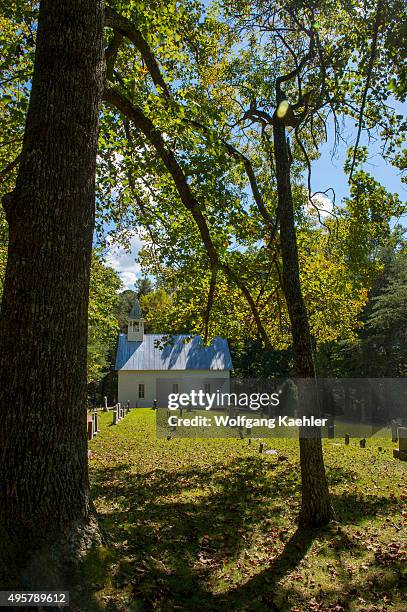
173, 531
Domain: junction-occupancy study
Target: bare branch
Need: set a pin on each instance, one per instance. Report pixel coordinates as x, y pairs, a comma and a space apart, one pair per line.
373, 51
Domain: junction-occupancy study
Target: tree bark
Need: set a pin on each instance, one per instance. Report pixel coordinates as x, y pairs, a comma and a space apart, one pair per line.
43, 321
315, 505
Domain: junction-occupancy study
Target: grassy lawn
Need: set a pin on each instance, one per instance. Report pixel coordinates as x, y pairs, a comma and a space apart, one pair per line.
210, 525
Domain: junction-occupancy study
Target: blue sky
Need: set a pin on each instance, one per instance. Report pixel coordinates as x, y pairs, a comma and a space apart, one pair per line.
328, 171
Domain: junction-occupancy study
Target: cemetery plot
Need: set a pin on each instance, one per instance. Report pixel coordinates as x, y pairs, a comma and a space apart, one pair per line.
210, 524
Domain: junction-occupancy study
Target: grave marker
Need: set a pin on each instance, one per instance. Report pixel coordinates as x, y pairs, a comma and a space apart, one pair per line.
395, 424
90, 426
331, 426
96, 424
401, 451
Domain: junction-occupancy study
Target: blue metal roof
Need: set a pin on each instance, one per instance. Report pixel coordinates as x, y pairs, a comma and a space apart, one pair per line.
179, 354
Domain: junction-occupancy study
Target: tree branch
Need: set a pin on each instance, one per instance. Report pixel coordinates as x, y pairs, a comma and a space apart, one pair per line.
111, 54
125, 27
5, 171
211, 295
372, 58
145, 125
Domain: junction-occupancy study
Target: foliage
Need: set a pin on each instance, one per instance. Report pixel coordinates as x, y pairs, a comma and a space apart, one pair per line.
143, 286
335, 290
251, 360
216, 65
156, 306
388, 318
17, 40
201, 82
121, 309
103, 325
380, 347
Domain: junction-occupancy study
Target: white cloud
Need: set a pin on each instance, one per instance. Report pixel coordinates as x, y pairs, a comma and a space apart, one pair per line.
123, 261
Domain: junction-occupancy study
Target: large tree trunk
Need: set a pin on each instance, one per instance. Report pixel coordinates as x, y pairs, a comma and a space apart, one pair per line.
43, 322
315, 507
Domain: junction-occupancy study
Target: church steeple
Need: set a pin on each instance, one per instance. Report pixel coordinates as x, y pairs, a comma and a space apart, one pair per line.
135, 331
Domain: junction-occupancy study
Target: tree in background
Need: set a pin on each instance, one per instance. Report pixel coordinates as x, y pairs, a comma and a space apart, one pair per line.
156, 307
122, 308
143, 286
380, 347
386, 328
103, 324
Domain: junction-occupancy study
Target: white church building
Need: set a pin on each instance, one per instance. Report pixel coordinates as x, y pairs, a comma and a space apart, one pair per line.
151, 366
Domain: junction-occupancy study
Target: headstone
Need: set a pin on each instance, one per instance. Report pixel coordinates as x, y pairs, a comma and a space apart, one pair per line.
115, 418
402, 435
347, 439
401, 452
331, 426
105, 408
394, 424
155, 404
362, 443
96, 424
90, 426
261, 447
128, 406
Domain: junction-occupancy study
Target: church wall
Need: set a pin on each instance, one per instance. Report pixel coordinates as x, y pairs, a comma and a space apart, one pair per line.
158, 383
